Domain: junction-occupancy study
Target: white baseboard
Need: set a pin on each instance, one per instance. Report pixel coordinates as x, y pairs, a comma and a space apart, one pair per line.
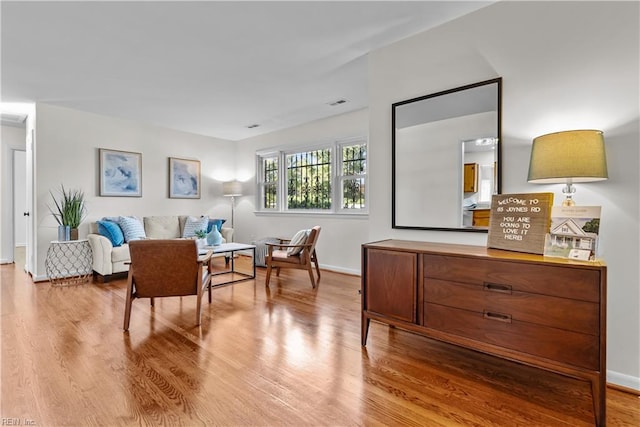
5, 261
623, 380
340, 269
41, 278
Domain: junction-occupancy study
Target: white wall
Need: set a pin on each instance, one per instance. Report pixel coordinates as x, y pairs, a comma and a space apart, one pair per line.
339, 244
11, 138
565, 65
67, 143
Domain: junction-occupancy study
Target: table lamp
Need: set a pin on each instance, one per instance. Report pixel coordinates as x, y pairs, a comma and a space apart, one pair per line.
568, 157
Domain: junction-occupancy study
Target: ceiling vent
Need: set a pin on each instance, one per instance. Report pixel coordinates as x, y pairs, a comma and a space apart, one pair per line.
338, 102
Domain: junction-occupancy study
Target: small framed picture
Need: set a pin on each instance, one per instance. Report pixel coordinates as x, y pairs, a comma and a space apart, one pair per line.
184, 178
120, 173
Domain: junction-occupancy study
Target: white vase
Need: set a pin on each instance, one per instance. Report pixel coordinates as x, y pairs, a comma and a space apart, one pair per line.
201, 243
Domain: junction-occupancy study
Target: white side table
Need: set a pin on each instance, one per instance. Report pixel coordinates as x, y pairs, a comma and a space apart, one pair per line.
69, 262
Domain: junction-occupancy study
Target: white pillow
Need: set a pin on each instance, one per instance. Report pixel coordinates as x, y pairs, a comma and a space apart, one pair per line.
300, 238
193, 224
132, 228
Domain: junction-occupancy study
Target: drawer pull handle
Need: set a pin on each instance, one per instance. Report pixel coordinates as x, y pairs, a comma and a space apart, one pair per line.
494, 287
497, 316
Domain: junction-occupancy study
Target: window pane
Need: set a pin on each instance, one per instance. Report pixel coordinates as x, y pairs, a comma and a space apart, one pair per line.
353, 193
309, 180
269, 196
354, 159
270, 182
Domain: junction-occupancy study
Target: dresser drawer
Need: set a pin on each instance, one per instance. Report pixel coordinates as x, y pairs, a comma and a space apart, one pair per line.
575, 283
562, 313
573, 348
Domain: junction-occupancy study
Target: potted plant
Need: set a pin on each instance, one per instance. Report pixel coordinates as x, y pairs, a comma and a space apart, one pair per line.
69, 210
201, 238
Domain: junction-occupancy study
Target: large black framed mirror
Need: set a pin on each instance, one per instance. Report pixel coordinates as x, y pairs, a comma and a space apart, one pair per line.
446, 158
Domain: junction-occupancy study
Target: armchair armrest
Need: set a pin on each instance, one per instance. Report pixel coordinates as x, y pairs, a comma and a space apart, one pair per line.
205, 257
270, 246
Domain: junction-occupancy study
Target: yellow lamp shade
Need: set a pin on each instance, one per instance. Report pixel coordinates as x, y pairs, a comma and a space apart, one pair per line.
568, 157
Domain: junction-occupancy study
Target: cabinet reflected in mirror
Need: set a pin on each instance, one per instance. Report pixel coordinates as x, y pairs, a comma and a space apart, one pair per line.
446, 158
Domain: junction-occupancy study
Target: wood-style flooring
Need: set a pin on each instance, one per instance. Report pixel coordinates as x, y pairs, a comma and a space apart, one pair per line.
287, 355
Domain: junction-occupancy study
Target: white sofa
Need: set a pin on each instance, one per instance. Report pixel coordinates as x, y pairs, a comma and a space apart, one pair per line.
108, 260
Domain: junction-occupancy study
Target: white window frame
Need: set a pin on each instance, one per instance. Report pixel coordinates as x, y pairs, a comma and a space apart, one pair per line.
336, 178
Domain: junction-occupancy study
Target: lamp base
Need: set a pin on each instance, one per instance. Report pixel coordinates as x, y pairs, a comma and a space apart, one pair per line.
568, 191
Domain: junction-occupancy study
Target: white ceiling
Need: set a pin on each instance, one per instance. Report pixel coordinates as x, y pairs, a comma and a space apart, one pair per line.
209, 68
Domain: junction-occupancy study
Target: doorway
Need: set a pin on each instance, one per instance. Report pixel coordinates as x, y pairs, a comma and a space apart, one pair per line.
20, 209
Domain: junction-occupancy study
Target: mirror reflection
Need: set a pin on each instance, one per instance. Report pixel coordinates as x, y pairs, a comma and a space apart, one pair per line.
446, 158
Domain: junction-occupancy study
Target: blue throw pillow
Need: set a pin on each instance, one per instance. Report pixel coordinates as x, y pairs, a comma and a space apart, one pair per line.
217, 222
132, 228
111, 231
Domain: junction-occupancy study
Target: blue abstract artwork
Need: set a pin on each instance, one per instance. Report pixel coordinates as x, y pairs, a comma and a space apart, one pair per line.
184, 178
120, 173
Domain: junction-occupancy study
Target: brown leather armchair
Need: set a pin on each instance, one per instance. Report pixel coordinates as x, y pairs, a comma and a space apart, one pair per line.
166, 268
278, 257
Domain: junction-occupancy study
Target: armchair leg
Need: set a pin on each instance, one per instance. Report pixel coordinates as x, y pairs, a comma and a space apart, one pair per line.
199, 308
266, 282
313, 279
128, 302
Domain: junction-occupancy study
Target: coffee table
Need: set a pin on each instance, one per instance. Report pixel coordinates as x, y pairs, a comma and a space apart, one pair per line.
231, 249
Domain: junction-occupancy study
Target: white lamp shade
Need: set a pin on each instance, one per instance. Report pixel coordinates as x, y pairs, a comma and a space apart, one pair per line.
568, 157
232, 188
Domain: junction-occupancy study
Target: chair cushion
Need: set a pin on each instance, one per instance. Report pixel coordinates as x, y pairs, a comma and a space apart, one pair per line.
193, 224
131, 228
112, 231
283, 256
300, 238
162, 227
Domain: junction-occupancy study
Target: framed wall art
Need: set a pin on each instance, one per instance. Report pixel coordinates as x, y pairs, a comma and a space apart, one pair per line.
184, 178
120, 173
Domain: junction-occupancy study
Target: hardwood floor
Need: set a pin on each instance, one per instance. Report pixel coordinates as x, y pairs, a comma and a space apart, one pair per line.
277, 356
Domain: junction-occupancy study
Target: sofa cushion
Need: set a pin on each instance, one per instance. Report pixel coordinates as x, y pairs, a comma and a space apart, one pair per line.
162, 227
193, 224
300, 238
120, 254
131, 228
217, 222
112, 231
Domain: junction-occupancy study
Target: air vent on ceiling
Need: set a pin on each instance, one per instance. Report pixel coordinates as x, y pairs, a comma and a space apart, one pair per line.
338, 102
253, 126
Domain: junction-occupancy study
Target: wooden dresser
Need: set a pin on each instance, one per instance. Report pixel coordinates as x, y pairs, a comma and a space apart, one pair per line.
544, 312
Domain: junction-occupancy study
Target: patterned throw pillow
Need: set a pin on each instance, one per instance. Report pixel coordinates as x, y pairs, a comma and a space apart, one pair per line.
300, 238
194, 224
112, 231
131, 228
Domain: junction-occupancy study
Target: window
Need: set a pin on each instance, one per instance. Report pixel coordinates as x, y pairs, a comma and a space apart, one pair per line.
269, 183
326, 178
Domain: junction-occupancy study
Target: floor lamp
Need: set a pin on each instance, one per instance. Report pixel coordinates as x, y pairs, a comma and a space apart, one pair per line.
232, 189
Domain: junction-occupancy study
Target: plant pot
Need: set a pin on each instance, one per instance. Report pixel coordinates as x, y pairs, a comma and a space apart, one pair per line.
73, 234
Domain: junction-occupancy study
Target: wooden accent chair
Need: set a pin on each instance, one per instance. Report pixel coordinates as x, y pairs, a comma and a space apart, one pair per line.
278, 257
166, 268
